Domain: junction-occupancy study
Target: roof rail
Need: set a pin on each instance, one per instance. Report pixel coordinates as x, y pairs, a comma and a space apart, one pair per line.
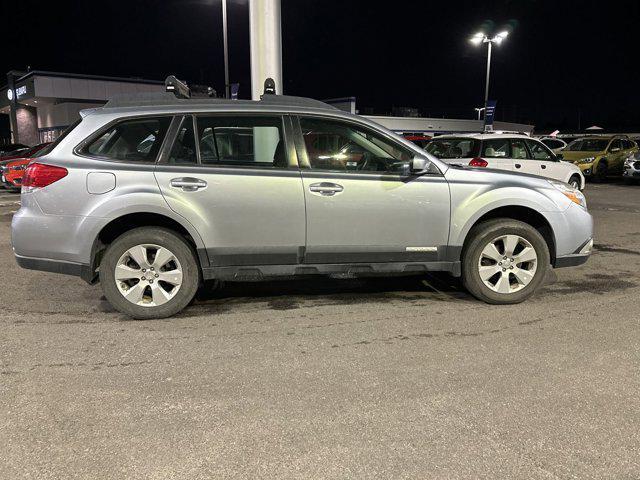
289, 100
169, 99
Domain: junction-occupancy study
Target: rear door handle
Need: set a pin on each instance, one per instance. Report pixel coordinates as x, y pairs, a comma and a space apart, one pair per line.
543, 166
188, 184
326, 188
518, 165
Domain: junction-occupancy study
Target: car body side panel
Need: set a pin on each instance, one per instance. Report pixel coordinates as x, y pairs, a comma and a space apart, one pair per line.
253, 216
475, 193
73, 221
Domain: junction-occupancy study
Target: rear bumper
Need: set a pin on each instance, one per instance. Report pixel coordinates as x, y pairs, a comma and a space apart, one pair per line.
57, 266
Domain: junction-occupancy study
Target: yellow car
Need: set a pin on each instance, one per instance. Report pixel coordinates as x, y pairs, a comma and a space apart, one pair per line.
600, 156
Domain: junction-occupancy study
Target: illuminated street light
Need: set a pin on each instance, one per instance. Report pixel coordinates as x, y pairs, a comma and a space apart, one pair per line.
480, 38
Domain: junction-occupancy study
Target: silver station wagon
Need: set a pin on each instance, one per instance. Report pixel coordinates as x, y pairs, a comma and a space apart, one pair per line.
152, 195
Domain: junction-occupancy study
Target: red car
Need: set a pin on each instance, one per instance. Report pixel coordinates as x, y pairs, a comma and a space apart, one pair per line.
419, 140
13, 173
12, 168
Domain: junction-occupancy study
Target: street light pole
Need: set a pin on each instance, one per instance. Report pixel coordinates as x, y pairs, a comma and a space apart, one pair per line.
478, 39
265, 36
486, 86
226, 49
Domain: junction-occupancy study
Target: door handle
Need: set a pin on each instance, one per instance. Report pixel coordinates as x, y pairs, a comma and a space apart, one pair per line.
325, 188
543, 166
518, 165
188, 184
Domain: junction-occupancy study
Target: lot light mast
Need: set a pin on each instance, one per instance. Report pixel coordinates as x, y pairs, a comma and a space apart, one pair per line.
266, 45
480, 38
225, 45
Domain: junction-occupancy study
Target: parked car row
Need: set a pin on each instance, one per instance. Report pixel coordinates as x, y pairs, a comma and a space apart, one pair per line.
511, 152
596, 157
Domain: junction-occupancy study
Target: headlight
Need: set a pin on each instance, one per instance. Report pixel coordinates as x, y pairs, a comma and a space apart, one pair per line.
586, 160
571, 193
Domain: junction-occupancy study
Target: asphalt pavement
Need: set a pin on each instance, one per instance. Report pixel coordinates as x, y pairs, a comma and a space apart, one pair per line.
401, 377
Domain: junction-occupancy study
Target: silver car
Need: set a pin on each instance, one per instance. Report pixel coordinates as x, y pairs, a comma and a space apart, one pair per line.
153, 195
631, 171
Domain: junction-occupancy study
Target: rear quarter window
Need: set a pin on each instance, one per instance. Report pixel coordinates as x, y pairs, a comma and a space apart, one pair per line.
133, 140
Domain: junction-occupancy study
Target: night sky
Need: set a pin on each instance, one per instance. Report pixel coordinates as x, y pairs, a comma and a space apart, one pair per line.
565, 63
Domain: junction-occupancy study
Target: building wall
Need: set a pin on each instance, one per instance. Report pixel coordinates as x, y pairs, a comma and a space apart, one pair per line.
87, 89
27, 121
443, 125
61, 114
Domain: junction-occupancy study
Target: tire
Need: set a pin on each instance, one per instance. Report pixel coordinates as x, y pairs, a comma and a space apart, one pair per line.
514, 290
154, 284
575, 182
601, 171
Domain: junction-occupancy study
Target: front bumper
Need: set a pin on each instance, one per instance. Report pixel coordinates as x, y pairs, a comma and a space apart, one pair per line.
587, 169
631, 172
578, 258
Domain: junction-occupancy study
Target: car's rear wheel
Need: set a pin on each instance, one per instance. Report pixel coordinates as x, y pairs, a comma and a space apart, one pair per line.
149, 272
505, 261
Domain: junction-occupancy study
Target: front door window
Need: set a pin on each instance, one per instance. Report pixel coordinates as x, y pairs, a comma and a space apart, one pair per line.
343, 147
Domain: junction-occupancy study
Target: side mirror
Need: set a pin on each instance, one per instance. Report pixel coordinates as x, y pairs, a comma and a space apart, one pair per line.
419, 165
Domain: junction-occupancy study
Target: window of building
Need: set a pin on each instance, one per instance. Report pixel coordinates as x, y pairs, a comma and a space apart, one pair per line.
136, 140
334, 145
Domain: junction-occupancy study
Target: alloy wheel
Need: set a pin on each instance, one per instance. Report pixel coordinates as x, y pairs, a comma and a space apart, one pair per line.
148, 275
507, 264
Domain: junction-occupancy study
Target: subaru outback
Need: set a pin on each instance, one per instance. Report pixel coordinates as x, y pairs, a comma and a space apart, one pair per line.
152, 195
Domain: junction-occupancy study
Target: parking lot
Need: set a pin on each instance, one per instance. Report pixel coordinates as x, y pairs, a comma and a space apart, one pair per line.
330, 378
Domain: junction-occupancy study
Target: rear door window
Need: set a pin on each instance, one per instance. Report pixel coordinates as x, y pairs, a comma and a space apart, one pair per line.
450, 148
183, 150
495, 148
242, 141
519, 149
135, 140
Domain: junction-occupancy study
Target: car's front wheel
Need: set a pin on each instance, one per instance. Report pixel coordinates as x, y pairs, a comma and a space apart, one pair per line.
575, 182
149, 272
505, 261
601, 172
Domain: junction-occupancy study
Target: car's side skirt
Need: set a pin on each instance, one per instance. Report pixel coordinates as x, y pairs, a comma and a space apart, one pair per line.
260, 272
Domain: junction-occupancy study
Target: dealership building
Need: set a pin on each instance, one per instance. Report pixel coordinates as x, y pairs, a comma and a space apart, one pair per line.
40, 105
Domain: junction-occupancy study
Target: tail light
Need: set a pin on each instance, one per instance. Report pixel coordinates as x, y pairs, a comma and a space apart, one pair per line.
478, 162
39, 175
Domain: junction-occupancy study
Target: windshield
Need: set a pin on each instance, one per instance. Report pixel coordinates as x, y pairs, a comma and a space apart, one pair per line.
453, 147
588, 145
